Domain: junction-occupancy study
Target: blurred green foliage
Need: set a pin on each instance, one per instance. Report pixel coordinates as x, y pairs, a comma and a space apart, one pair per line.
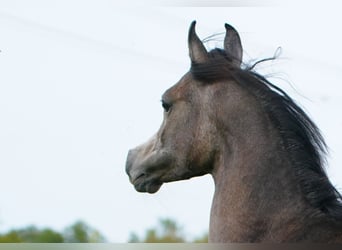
167, 231
79, 232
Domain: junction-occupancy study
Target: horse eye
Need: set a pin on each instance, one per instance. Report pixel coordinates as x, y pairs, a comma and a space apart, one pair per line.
166, 106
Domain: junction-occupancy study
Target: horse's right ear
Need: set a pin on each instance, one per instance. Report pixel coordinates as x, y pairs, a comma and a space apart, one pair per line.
232, 44
197, 51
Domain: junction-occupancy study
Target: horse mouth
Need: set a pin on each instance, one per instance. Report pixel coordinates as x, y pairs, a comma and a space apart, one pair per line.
142, 184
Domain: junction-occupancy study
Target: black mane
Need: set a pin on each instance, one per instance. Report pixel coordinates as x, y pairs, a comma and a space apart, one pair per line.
300, 136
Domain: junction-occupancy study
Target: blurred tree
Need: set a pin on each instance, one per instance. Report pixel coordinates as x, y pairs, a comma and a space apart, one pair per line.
202, 239
167, 231
133, 238
10, 237
80, 232
31, 235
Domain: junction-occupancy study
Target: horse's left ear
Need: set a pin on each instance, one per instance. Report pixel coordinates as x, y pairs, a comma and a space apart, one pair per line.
232, 44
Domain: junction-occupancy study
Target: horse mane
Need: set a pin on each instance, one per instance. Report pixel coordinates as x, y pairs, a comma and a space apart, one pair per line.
300, 136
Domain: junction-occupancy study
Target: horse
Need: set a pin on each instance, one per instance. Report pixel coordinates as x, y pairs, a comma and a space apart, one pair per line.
265, 154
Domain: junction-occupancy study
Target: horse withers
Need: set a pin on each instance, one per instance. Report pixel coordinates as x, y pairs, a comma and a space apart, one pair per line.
265, 154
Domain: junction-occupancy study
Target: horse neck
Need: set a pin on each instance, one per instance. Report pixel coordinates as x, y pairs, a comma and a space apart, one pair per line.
255, 190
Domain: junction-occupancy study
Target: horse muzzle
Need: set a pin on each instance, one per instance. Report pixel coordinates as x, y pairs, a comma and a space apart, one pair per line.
145, 170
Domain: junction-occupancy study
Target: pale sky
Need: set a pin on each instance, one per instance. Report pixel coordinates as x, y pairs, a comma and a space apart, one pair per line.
81, 83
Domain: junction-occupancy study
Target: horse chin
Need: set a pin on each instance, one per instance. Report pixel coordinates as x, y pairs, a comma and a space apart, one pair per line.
147, 187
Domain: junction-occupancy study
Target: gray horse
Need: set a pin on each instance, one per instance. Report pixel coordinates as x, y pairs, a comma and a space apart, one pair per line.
265, 155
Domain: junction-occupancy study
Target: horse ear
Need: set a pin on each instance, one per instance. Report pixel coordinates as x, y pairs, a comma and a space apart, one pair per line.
232, 44
197, 51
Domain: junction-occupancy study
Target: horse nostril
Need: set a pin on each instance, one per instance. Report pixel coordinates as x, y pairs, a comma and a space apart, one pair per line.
140, 176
